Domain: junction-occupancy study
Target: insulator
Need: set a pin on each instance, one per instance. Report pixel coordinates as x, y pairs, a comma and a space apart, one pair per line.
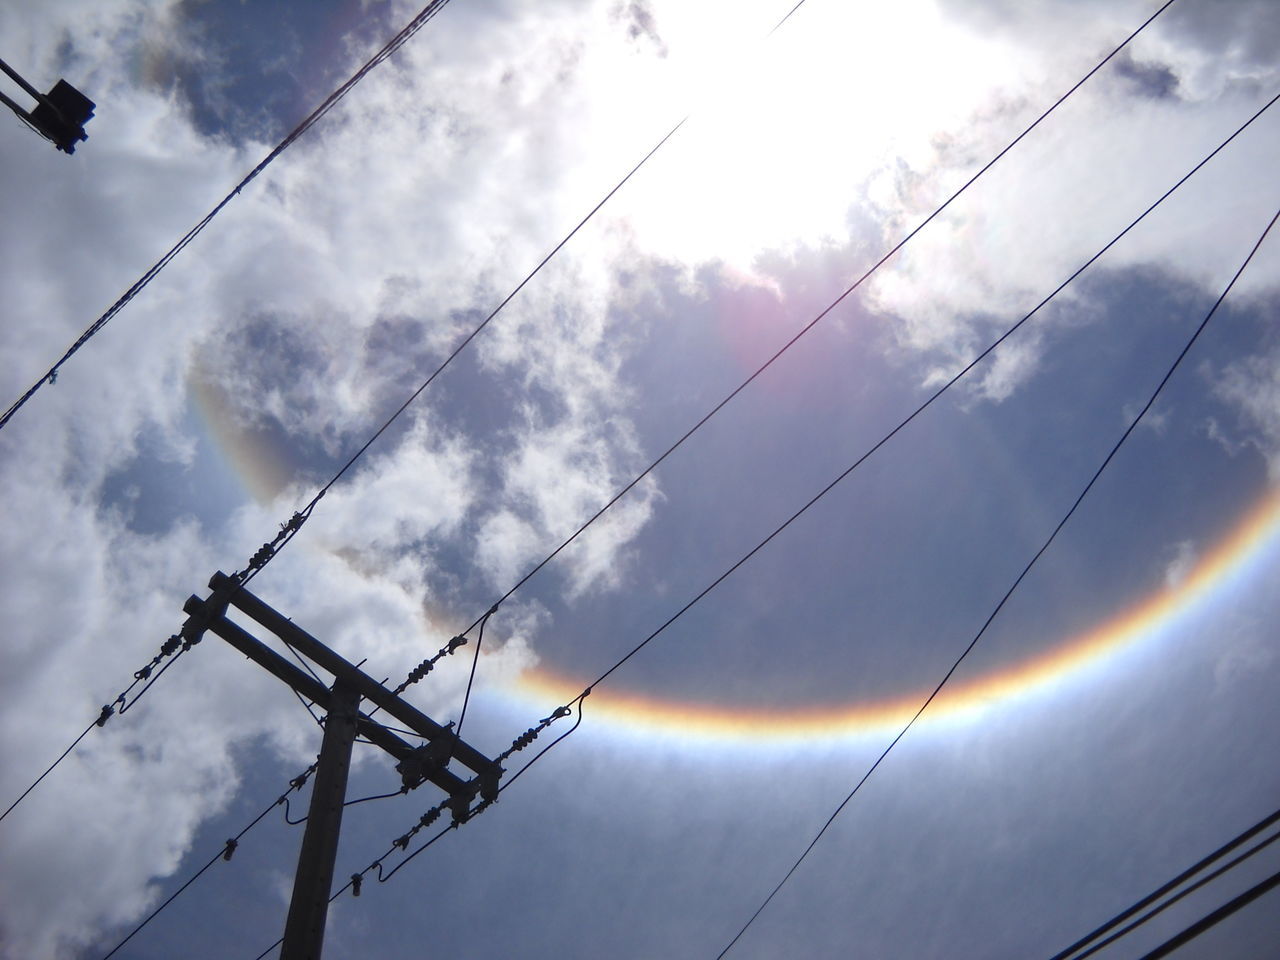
231, 848
107, 711
430, 817
168, 648
356, 880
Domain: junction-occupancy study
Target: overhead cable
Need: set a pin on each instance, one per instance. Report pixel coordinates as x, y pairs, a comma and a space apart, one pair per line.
1133, 424
1213, 919
224, 853
391, 46
822, 315
1073, 952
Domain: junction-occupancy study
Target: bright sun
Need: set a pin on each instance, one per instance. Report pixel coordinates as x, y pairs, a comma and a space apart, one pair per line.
791, 130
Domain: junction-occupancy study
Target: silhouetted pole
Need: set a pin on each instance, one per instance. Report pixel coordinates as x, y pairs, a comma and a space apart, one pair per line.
304, 929
430, 762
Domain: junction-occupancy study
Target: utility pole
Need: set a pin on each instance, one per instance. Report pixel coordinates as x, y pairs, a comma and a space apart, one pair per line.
309, 906
59, 115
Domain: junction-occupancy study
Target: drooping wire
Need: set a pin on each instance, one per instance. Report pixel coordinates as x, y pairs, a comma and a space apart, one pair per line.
827, 310
225, 853
1133, 424
392, 45
170, 651
1197, 867
1180, 895
1213, 919
475, 660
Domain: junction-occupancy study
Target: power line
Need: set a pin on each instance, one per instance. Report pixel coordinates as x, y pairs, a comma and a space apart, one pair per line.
1016, 583
566, 710
392, 45
933, 397
1213, 919
831, 306
1180, 895
170, 651
1197, 867
224, 853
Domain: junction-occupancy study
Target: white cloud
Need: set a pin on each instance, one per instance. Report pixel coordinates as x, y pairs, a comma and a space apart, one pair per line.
1252, 385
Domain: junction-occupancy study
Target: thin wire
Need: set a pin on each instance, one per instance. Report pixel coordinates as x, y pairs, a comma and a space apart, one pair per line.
1177, 881
74, 743
379, 796
836, 302
496, 310
520, 286
121, 702
1202, 882
1214, 918
223, 854
394, 44
1133, 424
938, 393
579, 700
475, 660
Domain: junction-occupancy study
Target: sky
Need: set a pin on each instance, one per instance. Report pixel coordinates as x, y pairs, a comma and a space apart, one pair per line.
1115, 722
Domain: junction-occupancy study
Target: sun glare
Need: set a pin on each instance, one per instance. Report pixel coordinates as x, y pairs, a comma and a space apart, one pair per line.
795, 128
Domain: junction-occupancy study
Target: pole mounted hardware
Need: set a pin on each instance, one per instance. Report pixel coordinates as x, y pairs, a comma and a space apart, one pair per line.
59, 115
304, 928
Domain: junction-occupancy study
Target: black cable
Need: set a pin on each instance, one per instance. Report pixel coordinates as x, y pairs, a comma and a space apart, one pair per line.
74, 743
1224, 911
378, 796
579, 700
394, 44
225, 853
172, 649
1009, 593
934, 396
1181, 894
836, 302
1177, 881
475, 660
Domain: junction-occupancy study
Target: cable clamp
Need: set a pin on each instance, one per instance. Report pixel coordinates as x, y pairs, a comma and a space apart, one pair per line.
232, 843
356, 880
107, 712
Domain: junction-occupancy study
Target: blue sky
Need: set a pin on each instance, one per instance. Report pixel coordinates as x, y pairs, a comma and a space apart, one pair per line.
236, 384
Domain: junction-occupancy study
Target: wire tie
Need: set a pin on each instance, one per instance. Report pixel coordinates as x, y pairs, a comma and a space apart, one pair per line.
232, 843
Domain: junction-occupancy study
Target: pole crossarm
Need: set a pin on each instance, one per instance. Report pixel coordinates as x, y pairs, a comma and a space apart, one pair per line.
416, 764
308, 909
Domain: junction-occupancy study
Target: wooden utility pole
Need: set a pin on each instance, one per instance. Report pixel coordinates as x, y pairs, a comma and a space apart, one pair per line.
313, 881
